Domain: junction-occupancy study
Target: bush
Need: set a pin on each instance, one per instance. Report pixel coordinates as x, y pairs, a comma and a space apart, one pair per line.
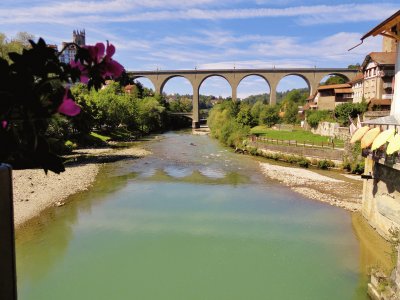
314, 117
344, 111
325, 164
303, 162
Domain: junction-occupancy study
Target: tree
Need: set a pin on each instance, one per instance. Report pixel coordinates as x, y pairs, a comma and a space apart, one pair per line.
244, 116
16, 44
269, 115
343, 111
354, 67
334, 80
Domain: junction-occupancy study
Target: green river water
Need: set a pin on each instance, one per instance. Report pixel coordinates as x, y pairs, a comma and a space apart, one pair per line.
191, 221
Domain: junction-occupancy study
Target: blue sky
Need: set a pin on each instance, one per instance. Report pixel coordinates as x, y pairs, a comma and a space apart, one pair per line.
184, 34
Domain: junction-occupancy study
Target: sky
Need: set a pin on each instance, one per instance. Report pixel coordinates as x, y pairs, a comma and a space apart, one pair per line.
208, 34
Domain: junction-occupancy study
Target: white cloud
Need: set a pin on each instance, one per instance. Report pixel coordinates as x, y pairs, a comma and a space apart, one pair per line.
149, 11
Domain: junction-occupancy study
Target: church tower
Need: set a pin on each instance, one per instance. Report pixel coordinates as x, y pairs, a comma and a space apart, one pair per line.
79, 37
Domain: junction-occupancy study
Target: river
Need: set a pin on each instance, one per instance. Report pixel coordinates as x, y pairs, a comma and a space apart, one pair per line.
191, 221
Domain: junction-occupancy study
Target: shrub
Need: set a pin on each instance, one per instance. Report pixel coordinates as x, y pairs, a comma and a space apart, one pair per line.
325, 164
303, 162
316, 116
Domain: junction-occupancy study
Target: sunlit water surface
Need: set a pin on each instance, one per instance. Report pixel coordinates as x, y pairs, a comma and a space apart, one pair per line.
191, 221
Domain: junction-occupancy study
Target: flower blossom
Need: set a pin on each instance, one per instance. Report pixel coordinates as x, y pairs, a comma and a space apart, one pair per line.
68, 107
4, 124
104, 64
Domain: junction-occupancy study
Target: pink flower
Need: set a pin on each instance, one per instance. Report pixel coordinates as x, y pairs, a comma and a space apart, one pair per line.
68, 107
106, 66
4, 124
96, 52
84, 77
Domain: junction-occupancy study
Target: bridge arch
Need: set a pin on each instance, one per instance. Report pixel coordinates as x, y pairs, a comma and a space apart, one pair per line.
166, 79
344, 76
302, 76
145, 80
204, 78
208, 76
242, 79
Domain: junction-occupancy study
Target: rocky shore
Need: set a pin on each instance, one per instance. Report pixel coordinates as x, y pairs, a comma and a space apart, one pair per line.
336, 189
34, 191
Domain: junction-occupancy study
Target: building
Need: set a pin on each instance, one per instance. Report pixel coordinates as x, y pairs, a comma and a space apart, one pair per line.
78, 38
378, 71
312, 102
333, 95
381, 186
357, 85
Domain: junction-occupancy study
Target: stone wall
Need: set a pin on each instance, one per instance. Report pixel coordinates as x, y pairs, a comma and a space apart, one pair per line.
381, 196
332, 130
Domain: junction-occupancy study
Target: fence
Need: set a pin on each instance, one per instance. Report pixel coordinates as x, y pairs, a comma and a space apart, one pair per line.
294, 143
292, 147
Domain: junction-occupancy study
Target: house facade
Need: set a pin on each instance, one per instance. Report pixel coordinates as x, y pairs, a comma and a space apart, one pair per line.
378, 71
330, 96
79, 38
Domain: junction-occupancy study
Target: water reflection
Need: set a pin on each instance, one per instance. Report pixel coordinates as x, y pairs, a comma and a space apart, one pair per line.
189, 217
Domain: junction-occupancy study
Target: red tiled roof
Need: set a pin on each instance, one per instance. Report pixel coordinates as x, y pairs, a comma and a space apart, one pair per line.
383, 58
358, 77
375, 101
334, 86
344, 91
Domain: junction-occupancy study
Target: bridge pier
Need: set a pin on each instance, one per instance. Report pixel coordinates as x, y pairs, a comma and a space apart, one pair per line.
196, 112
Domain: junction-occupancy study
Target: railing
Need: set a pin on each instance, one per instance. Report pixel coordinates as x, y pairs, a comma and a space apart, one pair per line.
295, 143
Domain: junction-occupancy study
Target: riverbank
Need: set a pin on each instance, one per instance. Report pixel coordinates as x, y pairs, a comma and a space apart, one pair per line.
335, 189
34, 191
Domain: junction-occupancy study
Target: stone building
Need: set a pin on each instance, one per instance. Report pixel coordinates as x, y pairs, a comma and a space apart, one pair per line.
378, 71
79, 38
357, 85
332, 95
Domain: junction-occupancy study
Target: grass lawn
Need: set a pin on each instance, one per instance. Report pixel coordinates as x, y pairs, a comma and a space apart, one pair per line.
297, 134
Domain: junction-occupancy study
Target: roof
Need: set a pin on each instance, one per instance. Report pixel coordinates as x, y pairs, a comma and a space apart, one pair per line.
385, 28
375, 101
334, 86
312, 97
389, 120
343, 91
357, 78
383, 58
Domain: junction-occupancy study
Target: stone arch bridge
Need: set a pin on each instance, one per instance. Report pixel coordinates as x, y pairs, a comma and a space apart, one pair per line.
312, 77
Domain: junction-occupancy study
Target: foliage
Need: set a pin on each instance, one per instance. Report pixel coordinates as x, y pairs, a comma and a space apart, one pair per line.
224, 125
325, 164
33, 91
244, 116
354, 162
16, 44
314, 117
334, 80
343, 111
269, 116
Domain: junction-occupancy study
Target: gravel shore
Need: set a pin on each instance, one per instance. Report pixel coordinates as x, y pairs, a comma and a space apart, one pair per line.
34, 191
344, 192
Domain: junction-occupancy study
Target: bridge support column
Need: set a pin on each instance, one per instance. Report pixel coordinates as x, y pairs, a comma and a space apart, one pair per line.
158, 89
272, 93
234, 92
196, 112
